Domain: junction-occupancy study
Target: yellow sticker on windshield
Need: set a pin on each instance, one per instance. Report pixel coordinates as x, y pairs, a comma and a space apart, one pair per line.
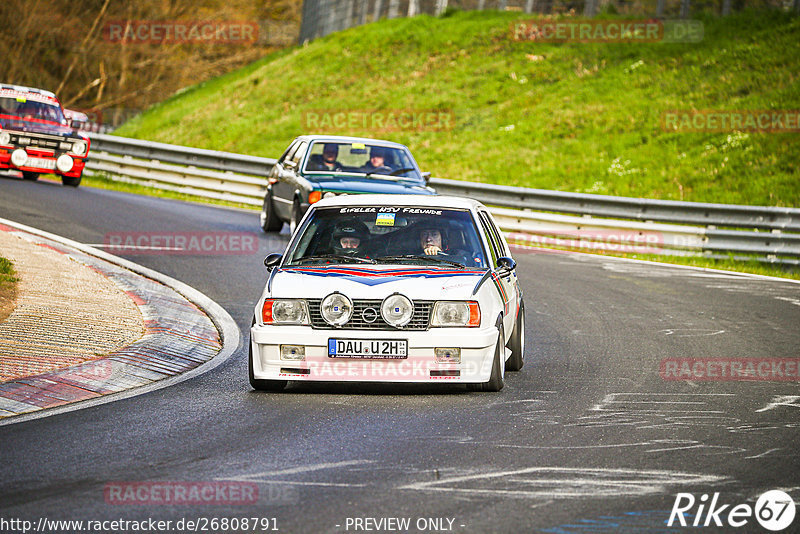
385, 219
21, 99
359, 146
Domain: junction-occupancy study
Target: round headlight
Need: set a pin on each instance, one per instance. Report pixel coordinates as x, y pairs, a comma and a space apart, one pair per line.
336, 309
5, 138
79, 148
19, 157
397, 310
64, 163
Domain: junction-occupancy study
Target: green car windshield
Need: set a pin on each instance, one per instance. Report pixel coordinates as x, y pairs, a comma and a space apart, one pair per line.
362, 158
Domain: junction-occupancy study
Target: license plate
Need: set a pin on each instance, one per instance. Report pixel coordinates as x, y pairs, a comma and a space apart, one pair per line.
40, 163
391, 349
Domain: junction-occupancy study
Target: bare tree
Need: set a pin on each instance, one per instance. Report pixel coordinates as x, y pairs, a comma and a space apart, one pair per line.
685, 9
394, 9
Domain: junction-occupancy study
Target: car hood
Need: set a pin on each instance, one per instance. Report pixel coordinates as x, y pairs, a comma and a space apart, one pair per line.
376, 282
18, 125
372, 184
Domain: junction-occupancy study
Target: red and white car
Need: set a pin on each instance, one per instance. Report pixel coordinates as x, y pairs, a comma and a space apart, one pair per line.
36, 137
390, 288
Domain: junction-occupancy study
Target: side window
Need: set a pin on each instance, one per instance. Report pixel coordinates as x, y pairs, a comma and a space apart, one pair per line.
289, 153
299, 153
502, 247
491, 238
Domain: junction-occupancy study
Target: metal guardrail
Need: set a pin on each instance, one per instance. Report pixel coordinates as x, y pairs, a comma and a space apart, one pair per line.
751, 230
643, 209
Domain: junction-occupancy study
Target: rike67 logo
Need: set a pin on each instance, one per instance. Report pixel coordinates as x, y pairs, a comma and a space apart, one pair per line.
774, 510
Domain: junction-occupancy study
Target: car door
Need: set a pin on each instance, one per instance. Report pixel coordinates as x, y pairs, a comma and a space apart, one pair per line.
283, 190
505, 280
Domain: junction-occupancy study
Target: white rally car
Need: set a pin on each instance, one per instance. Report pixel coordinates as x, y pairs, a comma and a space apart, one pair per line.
390, 288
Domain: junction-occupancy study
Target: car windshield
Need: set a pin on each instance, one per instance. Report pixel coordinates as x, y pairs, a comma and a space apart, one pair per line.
389, 235
31, 109
362, 158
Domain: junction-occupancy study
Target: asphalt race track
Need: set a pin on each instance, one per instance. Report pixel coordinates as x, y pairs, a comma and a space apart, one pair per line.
588, 437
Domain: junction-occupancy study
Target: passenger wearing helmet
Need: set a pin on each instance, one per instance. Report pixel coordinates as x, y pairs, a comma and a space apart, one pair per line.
349, 238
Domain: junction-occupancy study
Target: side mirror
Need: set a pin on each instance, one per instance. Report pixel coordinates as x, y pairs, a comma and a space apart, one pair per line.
75, 119
427, 177
272, 260
290, 164
507, 263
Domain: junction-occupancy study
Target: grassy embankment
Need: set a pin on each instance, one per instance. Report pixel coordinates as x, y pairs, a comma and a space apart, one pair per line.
571, 117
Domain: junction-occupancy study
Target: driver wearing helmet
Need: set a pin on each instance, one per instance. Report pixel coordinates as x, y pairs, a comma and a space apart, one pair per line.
350, 238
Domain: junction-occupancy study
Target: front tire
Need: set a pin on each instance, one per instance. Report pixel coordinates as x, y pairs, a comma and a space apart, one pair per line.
517, 342
268, 218
262, 385
30, 176
496, 380
296, 216
71, 181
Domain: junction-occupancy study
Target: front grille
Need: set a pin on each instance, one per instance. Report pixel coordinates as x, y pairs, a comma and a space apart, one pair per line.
40, 141
419, 320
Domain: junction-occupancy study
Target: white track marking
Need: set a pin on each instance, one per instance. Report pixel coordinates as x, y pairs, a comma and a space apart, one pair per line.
782, 400
264, 475
564, 482
760, 455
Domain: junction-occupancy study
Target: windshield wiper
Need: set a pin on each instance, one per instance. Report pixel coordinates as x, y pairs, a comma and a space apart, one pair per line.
435, 259
393, 173
342, 257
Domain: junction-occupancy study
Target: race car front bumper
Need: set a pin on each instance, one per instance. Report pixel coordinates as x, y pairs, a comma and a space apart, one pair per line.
477, 350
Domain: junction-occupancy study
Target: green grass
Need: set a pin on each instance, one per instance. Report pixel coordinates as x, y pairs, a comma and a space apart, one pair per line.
8, 288
569, 117
7, 273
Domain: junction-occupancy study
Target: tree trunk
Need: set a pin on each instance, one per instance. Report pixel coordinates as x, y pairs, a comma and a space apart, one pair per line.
394, 9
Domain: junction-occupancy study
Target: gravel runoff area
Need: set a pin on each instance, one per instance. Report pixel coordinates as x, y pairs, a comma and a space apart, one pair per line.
84, 327
65, 313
